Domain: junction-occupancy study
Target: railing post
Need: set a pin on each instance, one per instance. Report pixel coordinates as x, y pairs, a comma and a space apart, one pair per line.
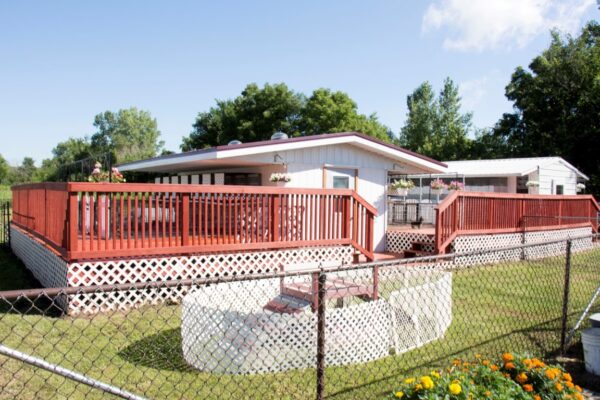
565, 309
72, 223
321, 334
438, 231
346, 220
185, 219
275, 210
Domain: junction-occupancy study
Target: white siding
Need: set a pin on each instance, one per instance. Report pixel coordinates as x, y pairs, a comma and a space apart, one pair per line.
557, 174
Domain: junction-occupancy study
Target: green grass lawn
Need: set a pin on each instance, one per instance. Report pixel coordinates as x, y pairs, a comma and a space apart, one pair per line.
504, 307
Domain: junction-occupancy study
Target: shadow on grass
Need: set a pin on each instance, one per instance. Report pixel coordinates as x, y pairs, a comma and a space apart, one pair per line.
159, 351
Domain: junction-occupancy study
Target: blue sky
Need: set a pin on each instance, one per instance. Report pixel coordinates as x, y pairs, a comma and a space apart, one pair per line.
63, 62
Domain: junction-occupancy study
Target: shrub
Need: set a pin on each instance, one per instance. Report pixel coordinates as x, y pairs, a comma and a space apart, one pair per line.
510, 377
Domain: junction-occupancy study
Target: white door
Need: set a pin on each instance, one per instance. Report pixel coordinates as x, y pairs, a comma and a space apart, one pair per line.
340, 178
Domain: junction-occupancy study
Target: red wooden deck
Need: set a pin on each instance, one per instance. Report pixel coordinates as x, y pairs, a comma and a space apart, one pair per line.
102, 220
471, 213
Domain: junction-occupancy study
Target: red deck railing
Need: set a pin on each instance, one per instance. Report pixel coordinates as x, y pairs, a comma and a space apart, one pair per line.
101, 220
469, 213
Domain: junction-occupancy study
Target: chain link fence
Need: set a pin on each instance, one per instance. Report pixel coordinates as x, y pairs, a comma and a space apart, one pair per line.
310, 331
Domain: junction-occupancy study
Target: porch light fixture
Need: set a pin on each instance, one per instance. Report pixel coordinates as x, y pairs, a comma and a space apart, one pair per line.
278, 158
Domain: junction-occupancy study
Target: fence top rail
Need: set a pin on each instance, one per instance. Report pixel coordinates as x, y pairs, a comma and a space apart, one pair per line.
42, 185
176, 188
516, 196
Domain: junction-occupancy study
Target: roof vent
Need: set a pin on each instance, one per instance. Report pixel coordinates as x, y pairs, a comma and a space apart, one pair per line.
279, 136
235, 141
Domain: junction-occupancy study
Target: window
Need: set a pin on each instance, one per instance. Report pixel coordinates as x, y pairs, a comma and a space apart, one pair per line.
522, 184
560, 189
341, 182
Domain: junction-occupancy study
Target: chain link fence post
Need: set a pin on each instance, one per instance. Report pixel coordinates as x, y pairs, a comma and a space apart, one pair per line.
565, 309
321, 335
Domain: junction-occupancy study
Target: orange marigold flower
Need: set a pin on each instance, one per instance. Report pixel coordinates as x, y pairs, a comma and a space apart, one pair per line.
494, 367
506, 357
551, 373
579, 396
537, 397
567, 377
509, 365
536, 363
486, 362
487, 393
528, 387
522, 378
569, 384
558, 386
578, 388
456, 362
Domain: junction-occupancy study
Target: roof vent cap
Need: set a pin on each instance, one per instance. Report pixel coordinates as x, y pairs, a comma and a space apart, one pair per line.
279, 136
235, 141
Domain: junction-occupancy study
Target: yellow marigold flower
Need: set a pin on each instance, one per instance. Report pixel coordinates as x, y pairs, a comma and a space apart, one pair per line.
558, 387
567, 377
486, 362
506, 357
435, 374
427, 382
477, 355
418, 387
528, 387
509, 365
579, 396
399, 394
408, 381
455, 388
494, 367
487, 393
521, 378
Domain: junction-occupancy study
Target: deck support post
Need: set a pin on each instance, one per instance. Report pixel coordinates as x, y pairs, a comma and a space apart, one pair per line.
321, 335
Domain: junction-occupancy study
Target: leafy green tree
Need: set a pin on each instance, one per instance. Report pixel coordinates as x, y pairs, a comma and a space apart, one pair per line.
435, 126
254, 115
24, 173
64, 154
4, 170
326, 111
259, 112
557, 104
129, 134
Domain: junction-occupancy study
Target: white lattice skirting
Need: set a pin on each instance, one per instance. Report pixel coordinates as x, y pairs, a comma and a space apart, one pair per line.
225, 329
470, 243
397, 242
52, 271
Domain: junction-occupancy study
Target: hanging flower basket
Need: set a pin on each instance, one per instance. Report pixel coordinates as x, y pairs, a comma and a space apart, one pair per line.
280, 179
402, 186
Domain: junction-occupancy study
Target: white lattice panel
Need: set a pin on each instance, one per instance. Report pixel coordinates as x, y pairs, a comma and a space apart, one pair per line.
471, 243
47, 267
181, 267
397, 241
225, 329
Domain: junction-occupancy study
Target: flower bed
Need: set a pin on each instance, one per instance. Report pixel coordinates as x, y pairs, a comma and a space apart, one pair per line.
510, 377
